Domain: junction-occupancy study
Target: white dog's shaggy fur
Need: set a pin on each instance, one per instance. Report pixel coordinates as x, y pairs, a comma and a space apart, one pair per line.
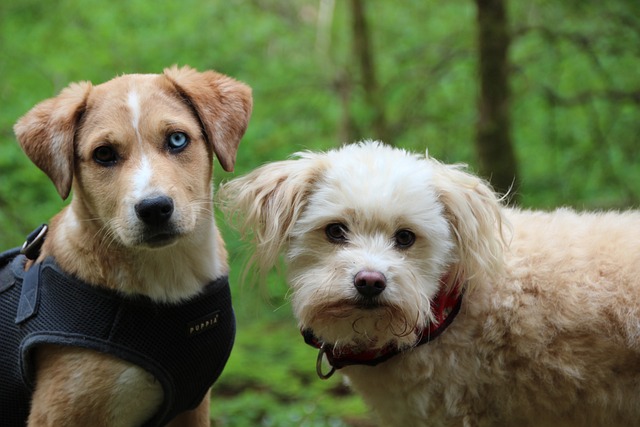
549, 329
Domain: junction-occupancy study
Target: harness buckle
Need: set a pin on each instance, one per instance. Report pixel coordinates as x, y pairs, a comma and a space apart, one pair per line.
31, 247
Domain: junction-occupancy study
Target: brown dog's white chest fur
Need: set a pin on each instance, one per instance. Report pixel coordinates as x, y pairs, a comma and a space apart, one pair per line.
137, 152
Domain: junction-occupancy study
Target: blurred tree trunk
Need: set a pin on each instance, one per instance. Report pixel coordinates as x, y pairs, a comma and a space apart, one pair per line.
342, 85
493, 132
364, 55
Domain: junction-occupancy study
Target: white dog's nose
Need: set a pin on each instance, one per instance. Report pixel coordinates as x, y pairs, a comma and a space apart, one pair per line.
370, 283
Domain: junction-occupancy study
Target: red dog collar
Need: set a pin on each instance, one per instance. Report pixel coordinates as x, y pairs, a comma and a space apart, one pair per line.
445, 308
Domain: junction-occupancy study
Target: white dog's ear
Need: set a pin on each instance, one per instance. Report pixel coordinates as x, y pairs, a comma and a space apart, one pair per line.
475, 214
267, 202
222, 104
47, 132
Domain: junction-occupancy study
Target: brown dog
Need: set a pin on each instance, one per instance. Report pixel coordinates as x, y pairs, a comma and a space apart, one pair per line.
138, 153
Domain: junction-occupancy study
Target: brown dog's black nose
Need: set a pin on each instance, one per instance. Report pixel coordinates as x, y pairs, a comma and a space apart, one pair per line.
155, 210
370, 283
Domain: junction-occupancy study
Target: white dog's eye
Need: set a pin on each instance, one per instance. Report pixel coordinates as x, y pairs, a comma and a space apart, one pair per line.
336, 232
405, 239
177, 141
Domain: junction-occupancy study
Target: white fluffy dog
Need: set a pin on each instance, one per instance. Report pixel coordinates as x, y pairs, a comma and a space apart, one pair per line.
440, 305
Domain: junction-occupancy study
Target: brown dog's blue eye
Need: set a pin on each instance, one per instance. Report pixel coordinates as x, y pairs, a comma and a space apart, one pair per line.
105, 155
404, 239
177, 141
336, 232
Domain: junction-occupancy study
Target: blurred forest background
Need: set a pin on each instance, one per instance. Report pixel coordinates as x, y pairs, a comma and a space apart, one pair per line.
542, 95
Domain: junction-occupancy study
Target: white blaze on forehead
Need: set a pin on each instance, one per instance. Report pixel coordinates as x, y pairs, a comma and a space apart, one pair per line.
133, 100
142, 177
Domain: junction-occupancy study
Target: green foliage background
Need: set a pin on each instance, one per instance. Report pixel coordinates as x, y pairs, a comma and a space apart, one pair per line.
575, 111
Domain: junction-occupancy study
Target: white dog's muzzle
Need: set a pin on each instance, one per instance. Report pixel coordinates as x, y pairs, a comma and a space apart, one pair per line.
445, 307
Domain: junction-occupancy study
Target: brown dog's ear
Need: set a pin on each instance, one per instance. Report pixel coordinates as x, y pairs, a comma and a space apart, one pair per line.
46, 134
222, 104
475, 214
267, 202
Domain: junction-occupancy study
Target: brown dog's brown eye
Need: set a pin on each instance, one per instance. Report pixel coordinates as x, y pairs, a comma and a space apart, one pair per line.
105, 156
336, 232
405, 239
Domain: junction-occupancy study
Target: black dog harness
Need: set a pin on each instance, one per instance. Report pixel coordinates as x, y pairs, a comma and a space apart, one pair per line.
184, 346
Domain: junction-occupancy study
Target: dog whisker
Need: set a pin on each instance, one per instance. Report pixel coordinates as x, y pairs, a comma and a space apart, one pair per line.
202, 206
89, 219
